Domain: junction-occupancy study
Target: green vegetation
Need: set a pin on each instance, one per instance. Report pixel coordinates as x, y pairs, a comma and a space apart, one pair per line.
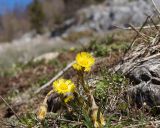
109, 91
107, 45
109, 84
37, 16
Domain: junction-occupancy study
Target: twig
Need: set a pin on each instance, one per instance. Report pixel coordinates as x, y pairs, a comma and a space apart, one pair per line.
156, 6
10, 108
145, 27
131, 45
141, 34
150, 57
154, 24
54, 78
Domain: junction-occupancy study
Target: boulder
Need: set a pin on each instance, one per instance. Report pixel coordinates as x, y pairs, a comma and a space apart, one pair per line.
103, 17
142, 66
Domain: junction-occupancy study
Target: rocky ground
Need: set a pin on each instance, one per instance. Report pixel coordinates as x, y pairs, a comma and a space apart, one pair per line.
87, 23
126, 72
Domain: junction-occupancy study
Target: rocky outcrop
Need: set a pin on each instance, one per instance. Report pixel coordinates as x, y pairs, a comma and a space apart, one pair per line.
103, 17
96, 19
142, 67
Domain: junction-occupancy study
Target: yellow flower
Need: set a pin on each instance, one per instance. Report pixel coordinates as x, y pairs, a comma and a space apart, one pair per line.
68, 98
77, 67
84, 60
42, 112
63, 86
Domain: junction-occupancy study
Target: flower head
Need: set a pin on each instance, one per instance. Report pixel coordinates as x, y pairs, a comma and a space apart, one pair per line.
77, 67
84, 60
42, 112
63, 86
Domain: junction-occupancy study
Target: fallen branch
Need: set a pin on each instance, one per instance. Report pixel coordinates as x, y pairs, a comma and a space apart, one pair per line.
55, 78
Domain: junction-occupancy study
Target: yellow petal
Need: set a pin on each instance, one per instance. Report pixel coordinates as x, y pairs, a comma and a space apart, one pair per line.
77, 67
69, 98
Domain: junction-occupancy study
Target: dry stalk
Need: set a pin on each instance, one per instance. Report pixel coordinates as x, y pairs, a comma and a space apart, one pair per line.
157, 6
145, 37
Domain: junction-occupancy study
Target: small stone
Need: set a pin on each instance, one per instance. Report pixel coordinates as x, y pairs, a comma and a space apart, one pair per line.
46, 57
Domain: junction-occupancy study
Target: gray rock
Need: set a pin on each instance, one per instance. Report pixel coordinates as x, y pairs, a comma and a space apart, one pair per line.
157, 5
145, 93
142, 66
95, 19
46, 57
102, 17
146, 81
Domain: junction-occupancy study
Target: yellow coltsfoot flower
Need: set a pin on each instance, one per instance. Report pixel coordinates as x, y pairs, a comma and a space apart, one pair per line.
63, 86
84, 60
77, 67
42, 112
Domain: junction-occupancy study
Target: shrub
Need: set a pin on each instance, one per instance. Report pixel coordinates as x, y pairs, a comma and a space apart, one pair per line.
37, 16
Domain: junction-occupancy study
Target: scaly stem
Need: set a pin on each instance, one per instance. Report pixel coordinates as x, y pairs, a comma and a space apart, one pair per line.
83, 83
96, 115
46, 98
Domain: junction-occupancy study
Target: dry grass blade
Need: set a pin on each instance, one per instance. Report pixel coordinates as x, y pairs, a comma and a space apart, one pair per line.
145, 37
137, 28
157, 5
10, 108
140, 29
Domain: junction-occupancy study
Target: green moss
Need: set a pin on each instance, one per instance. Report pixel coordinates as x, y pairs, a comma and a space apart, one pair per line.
104, 46
111, 82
